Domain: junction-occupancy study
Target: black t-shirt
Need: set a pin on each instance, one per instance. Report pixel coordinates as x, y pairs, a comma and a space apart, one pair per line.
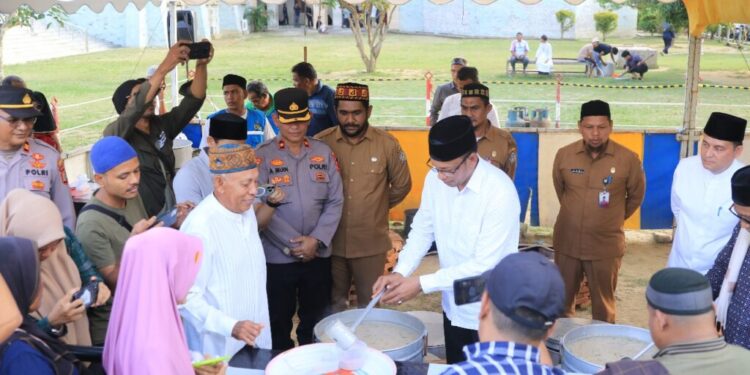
603, 49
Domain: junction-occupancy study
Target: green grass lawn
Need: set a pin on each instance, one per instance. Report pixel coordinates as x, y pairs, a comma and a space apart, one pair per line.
270, 56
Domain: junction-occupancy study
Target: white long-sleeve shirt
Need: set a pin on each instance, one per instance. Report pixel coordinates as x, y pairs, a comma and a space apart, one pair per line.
452, 107
700, 204
231, 283
474, 229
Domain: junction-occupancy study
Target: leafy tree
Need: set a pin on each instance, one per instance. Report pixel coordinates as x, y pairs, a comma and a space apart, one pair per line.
674, 13
25, 16
371, 35
566, 19
606, 22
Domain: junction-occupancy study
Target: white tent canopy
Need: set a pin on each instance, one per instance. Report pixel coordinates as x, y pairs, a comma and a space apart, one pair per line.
70, 6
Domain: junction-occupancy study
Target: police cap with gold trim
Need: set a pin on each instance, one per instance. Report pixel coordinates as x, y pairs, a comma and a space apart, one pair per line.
291, 105
18, 102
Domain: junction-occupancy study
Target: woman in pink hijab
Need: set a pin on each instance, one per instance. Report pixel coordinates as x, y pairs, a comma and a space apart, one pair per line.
145, 334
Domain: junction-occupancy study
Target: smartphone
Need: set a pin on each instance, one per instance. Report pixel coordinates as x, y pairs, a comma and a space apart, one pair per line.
199, 50
168, 218
210, 361
264, 190
468, 290
87, 293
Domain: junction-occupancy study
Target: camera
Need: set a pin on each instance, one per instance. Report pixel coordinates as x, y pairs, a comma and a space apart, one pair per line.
468, 290
265, 190
87, 293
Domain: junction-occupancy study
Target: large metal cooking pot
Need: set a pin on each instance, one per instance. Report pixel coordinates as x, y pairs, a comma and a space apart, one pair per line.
562, 327
412, 352
573, 363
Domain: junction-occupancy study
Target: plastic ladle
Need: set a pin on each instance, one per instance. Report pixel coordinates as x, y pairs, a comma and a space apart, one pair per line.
369, 307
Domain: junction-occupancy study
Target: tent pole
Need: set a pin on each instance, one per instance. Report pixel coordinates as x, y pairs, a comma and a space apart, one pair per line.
692, 82
173, 40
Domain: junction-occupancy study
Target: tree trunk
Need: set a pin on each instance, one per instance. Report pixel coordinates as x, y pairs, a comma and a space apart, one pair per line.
374, 30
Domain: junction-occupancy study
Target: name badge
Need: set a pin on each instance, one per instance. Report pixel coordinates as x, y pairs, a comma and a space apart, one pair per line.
603, 199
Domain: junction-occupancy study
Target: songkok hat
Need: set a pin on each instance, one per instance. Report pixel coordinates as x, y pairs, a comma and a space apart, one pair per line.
228, 126
231, 158
595, 108
451, 138
18, 102
475, 90
679, 291
122, 93
110, 152
353, 92
741, 186
291, 105
233, 79
535, 297
725, 127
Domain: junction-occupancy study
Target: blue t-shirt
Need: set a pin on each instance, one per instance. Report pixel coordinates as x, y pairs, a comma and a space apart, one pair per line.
22, 359
321, 108
256, 122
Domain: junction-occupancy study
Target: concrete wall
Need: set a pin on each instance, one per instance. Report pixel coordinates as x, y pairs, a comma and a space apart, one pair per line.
147, 27
505, 18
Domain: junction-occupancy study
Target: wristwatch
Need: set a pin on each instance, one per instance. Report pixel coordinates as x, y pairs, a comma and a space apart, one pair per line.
321, 245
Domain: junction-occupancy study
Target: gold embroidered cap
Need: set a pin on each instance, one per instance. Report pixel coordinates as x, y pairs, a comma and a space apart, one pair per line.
475, 90
231, 158
352, 91
291, 105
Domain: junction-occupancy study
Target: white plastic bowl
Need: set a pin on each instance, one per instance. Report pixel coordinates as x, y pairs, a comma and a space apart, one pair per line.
318, 359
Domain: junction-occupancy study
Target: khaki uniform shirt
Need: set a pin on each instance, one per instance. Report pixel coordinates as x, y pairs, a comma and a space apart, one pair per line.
34, 167
705, 357
498, 147
376, 177
583, 229
313, 195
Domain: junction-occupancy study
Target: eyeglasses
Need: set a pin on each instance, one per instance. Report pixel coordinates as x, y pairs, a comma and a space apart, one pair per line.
14, 121
448, 172
733, 211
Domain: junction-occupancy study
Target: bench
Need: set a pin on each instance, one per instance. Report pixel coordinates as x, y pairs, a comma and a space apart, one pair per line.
556, 61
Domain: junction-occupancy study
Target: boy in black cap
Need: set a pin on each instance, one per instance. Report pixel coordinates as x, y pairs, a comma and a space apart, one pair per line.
682, 322
599, 184
523, 296
26, 162
730, 274
701, 194
151, 135
471, 210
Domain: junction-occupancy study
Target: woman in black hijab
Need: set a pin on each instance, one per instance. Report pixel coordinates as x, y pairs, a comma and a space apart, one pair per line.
29, 350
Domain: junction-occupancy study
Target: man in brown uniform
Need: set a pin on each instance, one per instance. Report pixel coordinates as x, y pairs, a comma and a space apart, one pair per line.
493, 144
376, 177
599, 184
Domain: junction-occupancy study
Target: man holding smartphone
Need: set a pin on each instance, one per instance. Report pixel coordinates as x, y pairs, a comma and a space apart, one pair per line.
471, 210
151, 135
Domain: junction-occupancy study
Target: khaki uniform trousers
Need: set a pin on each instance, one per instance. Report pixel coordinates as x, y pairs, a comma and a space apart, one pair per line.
362, 271
602, 278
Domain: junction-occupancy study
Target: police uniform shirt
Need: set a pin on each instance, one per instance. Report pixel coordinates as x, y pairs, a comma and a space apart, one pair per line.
34, 167
499, 148
583, 229
313, 195
376, 177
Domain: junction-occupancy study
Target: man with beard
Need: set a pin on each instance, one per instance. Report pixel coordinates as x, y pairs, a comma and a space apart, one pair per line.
151, 135
599, 184
376, 178
493, 144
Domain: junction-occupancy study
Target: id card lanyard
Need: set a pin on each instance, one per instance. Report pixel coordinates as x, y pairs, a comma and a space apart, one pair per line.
604, 194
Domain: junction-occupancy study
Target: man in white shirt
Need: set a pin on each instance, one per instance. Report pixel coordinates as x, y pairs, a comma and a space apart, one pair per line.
519, 50
452, 104
702, 194
471, 210
227, 307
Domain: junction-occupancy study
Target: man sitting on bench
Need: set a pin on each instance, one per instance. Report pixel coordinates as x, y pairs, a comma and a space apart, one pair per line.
519, 49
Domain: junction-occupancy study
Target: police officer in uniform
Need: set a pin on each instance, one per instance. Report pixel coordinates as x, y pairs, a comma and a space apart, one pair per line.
599, 184
297, 240
493, 144
26, 162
